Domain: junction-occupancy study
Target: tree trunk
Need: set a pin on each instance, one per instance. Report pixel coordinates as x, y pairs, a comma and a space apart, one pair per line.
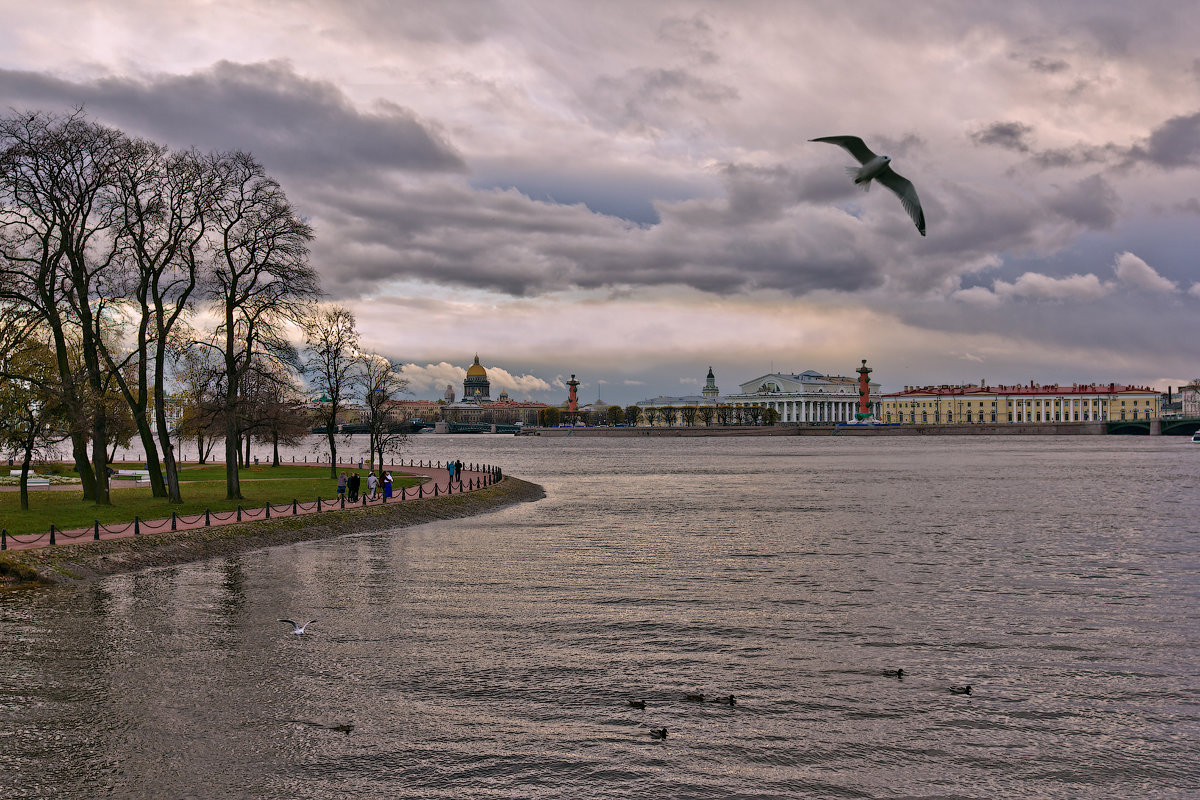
26, 459
233, 489
153, 466
329, 432
83, 465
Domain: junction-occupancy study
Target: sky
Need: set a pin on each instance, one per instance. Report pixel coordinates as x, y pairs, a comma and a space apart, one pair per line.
626, 191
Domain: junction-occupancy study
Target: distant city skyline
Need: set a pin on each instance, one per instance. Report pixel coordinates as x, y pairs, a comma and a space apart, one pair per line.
626, 191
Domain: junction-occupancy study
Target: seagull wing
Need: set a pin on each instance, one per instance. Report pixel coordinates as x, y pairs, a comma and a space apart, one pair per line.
906, 192
853, 145
310, 622
290, 622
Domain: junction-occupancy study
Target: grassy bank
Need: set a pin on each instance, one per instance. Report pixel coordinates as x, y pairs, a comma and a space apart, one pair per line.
201, 486
88, 560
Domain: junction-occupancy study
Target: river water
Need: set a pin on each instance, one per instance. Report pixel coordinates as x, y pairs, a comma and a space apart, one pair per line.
494, 657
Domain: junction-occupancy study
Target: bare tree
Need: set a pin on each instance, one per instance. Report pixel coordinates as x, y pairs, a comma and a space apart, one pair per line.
687, 415
163, 202
277, 413
330, 361
380, 382
197, 371
56, 221
706, 414
259, 281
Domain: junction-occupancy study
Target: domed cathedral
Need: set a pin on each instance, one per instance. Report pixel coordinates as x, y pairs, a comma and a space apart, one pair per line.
710, 389
476, 387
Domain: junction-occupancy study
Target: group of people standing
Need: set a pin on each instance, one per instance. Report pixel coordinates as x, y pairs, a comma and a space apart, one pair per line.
349, 487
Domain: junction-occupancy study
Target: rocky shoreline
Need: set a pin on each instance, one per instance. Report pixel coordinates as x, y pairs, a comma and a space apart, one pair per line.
85, 561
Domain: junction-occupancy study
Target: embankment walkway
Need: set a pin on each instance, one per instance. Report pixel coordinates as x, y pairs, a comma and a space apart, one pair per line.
436, 483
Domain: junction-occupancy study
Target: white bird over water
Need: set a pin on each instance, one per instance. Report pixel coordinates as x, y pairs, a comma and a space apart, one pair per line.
296, 628
879, 168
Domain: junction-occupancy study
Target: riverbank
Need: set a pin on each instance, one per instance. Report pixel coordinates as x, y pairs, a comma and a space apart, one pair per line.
87, 561
830, 429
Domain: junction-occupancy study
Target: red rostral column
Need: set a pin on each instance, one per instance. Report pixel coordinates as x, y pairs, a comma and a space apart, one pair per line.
573, 395
864, 391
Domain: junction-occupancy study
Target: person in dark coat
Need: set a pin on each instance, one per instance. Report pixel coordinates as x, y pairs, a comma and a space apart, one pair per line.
352, 485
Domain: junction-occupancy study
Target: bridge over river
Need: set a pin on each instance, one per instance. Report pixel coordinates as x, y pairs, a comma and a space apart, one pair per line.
1167, 426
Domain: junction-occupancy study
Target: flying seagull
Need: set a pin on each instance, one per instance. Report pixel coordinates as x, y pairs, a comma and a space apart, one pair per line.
879, 168
297, 628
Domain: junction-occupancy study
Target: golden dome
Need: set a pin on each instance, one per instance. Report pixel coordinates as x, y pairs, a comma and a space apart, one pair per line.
476, 368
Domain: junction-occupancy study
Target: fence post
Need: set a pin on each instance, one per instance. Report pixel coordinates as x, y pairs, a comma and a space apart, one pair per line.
51, 533
207, 519
96, 533
268, 514
239, 518
172, 520
137, 526
318, 502
294, 507
402, 488
364, 498
3, 538
420, 490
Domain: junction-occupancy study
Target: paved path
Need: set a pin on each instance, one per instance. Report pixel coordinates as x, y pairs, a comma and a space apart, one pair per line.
433, 476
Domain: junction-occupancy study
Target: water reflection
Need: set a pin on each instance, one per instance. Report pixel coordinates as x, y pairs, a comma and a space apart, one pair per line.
496, 656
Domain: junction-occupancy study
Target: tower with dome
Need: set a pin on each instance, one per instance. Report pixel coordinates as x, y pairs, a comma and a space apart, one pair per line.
476, 388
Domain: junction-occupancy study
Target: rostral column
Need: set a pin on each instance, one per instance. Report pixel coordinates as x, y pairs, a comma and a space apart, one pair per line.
573, 395
864, 392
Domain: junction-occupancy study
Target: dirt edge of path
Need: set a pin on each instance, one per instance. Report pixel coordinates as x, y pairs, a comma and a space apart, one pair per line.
75, 563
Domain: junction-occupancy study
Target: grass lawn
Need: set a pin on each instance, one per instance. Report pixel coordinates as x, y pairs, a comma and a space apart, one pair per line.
201, 487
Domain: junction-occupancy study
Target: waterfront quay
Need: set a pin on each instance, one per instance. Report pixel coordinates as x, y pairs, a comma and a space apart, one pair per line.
1144, 427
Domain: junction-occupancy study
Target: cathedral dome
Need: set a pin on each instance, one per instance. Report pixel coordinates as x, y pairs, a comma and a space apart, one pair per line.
476, 387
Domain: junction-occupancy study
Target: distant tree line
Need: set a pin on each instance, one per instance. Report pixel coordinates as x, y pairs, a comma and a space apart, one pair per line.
154, 294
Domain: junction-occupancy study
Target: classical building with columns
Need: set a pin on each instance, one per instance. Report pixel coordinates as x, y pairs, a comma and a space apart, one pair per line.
806, 397
1080, 402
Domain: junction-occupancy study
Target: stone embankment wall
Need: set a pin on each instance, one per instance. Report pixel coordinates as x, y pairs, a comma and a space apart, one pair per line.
908, 429
88, 560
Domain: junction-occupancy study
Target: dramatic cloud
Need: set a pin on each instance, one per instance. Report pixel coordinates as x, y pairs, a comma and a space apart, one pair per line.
1006, 135
432, 379
1137, 274
627, 191
1174, 144
298, 126
1043, 287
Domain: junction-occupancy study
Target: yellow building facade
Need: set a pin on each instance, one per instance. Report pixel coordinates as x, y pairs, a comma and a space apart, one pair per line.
1020, 404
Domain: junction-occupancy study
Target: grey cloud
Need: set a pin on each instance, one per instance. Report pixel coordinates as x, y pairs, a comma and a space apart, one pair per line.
1190, 206
1078, 156
1091, 202
293, 124
649, 97
694, 35
1049, 66
1175, 143
1005, 135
